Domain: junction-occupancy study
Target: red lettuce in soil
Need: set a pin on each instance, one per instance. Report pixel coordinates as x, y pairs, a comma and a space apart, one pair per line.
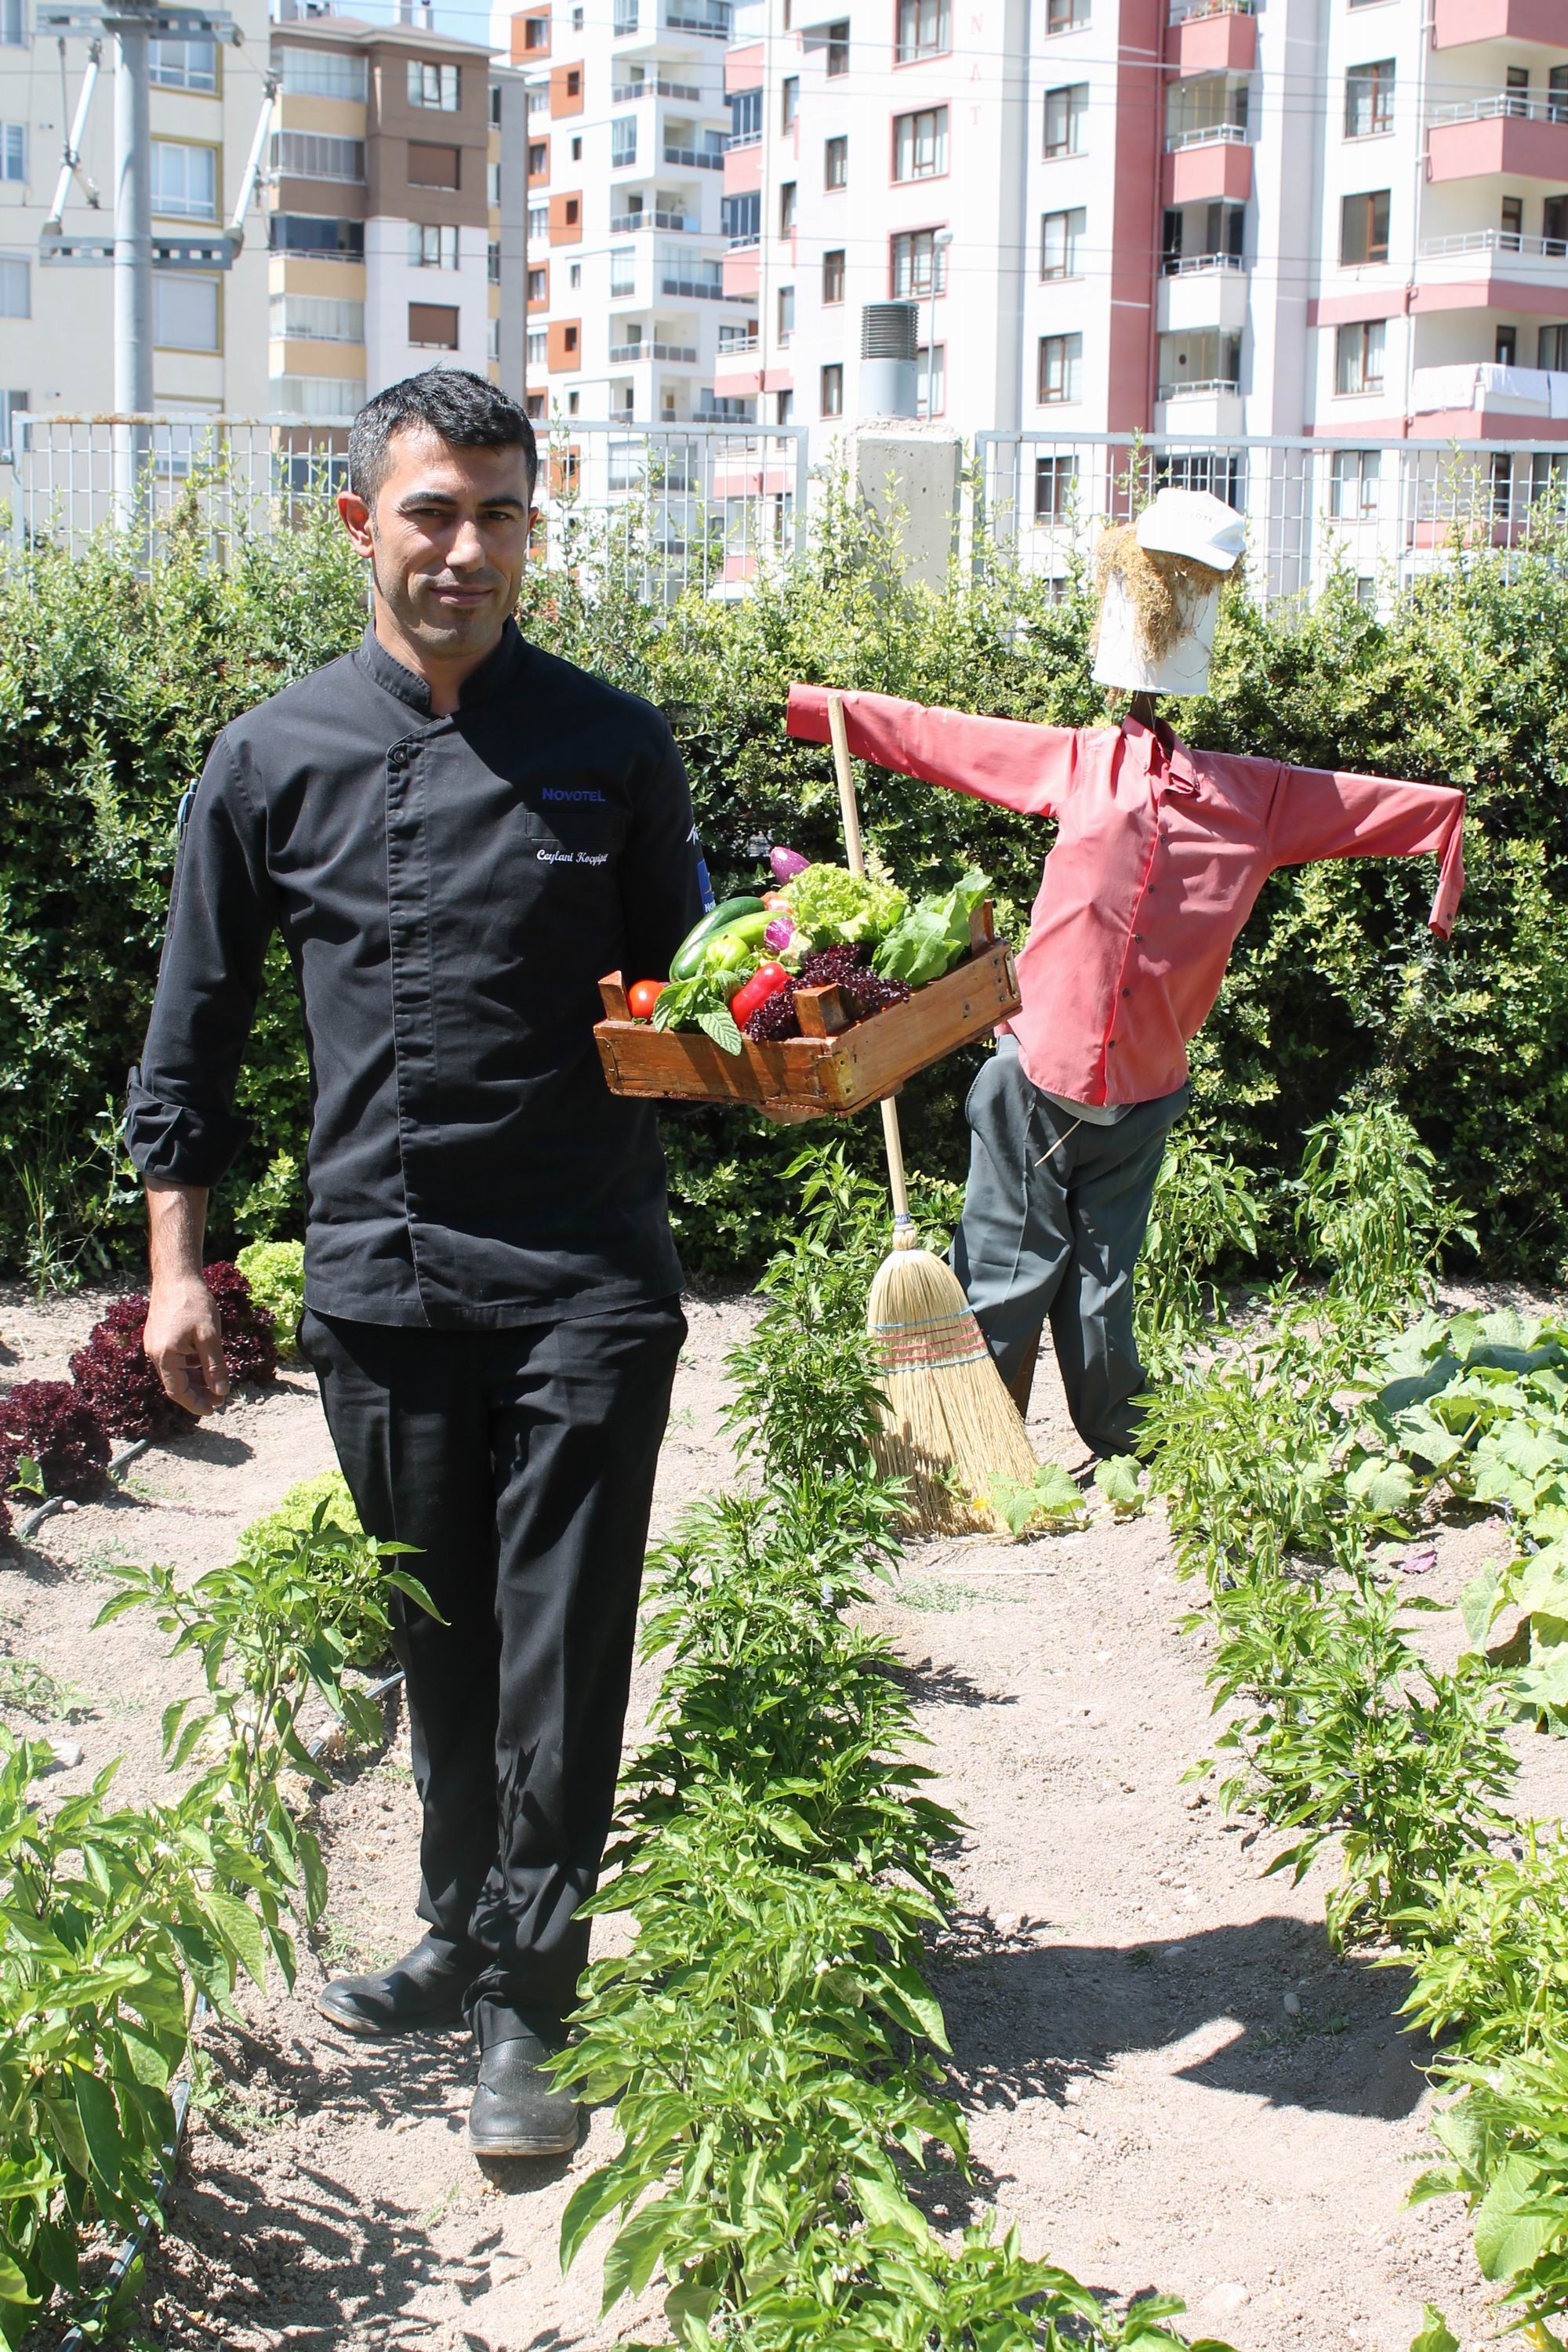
116, 1379
249, 1341
56, 1425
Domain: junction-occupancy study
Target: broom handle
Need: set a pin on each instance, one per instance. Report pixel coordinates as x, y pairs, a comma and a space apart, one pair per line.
904, 1235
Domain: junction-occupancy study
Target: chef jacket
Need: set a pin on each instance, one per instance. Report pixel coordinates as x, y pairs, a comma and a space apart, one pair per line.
1160, 852
449, 891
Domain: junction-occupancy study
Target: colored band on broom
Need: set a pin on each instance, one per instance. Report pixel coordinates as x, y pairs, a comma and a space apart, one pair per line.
948, 1425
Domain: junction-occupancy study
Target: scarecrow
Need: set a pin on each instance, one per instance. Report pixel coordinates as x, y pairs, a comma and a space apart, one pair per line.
1160, 853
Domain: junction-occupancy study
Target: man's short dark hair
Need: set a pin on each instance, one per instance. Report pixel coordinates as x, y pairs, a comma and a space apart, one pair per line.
458, 406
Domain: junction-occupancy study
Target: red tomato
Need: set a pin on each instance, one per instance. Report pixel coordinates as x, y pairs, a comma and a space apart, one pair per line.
642, 996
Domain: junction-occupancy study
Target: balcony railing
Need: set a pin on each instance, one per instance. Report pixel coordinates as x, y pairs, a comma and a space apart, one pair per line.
1493, 240
1205, 389
747, 244
1189, 265
1510, 103
694, 159
1186, 12
742, 139
623, 92
686, 16
1206, 135
692, 290
678, 354
732, 347
628, 224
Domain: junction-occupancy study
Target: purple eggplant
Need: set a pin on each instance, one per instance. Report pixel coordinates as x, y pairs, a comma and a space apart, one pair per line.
787, 863
779, 933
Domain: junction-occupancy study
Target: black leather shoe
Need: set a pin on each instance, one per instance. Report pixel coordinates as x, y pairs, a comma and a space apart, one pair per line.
424, 1988
517, 2109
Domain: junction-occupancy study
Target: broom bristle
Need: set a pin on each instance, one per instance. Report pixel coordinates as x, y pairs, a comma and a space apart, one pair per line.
950, 1426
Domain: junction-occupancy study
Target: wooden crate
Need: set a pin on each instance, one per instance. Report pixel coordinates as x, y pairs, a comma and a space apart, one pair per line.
838, 1066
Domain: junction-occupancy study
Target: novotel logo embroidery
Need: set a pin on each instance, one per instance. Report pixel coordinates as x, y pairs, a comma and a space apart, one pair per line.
562, 793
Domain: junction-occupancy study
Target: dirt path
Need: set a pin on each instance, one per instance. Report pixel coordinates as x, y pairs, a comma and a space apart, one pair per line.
1170, 2081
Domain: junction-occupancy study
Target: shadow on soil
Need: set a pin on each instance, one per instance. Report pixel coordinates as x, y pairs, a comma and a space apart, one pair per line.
1028, 2018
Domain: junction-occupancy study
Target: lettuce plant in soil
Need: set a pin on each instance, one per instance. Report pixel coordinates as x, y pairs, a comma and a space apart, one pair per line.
52, 1424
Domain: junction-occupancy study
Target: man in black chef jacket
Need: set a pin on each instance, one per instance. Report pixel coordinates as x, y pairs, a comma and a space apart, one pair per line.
455, 834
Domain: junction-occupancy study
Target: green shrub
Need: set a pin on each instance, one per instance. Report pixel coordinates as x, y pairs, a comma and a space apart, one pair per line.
111, 688
276, 1272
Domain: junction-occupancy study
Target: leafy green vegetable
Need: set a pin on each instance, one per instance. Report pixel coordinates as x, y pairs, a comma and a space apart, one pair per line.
934, 934
702, 1003
833, 907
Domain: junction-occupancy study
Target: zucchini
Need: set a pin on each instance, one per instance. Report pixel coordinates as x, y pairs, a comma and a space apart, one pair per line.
683, 964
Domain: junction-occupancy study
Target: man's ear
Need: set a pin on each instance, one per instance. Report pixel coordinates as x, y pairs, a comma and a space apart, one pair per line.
356, 520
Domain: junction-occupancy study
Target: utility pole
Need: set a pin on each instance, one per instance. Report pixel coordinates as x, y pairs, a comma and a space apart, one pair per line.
132, 260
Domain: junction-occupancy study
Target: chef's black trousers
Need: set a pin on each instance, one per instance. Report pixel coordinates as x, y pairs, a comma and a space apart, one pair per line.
519, 1465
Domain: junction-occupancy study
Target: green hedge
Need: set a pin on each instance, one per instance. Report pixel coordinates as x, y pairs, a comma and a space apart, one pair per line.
111, 688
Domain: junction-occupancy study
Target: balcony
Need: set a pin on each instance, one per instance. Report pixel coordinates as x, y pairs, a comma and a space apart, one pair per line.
628, 224
747, 244
737, 346
1214, 36
1192, 298
1490, 402
629, 354
1205, 388
1192, 264
1208, 164
1457, 23
1491, 269
693, 158
1499, 132
626, 93
739, 139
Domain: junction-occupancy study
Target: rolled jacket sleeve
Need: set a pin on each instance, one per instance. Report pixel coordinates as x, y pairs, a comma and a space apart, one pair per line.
1009, 760
180, 1126
1318, 814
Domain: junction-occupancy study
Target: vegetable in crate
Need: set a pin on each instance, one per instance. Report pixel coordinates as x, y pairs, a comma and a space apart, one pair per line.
689, 954
933, 936
701, 1002
765, 982
831, 905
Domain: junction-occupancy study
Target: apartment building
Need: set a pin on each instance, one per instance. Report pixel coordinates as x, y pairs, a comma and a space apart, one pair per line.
1221, 218
382, 212
627, 130
56, 318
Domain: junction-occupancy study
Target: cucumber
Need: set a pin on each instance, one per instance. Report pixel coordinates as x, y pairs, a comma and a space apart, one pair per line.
683, 964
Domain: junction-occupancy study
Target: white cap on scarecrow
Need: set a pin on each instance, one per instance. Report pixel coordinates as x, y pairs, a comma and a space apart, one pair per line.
1158, 585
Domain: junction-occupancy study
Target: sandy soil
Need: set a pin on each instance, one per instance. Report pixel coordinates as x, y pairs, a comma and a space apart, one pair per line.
1172, 2082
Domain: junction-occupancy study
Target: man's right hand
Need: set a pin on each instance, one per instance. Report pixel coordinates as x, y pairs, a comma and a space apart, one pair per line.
183, 1342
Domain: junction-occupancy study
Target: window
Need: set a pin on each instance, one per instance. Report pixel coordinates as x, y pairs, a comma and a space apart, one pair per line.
538, 347
492, 183
317, 395
433, 326
838, 49
931, 382
925, 29
1518, 90
784, 408
430, 167
430, 248
833, 277
910, 272
1354, 484
835, 163
539, 100
1065, 16
786, 207
623, 140
1061, 234
13, 36
574, 82
573, 403
433, 84
576, 151
1512, 218
1554, 226
1358, 357
832, 402
538, 286
1557, 94
342, 240
12, 151
1056, 488
184, 181
1207, 360
1369, 99
306, 155
13, 404
1364, 228
15, 300
741, 217
920, 144
1552, 350
539, 159
746, 117
534, 404
569, 339
787, 314
184, 312
1061, 368
623, 270
574, 277
323, 73
538, 223
536, 32
183, 65
315, 318
1505, 347
789, 101
1065, 112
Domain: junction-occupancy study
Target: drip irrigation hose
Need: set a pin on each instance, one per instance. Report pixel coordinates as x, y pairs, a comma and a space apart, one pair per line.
129, 2252
53, 1503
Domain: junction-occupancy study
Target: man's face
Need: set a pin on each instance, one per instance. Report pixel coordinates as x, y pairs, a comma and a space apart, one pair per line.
446, 540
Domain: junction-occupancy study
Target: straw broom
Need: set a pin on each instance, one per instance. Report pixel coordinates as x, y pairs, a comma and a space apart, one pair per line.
948, 1425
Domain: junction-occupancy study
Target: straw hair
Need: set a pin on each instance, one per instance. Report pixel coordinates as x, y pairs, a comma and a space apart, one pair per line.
949, 1425
1162, 589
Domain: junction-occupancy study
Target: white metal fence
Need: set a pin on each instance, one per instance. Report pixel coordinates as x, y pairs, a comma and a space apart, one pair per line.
705, 504
1383, 513
694, 505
